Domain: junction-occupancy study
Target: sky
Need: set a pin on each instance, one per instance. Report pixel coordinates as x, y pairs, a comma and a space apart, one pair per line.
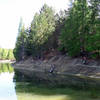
12, 10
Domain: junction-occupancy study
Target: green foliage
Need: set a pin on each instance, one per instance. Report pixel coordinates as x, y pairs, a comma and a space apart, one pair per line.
42, 35
6, 68
94, 93
6, 54
42, 28
19, 50
34, 41
73, 33
72, 30
93, 42
54, 93
82, 28
10, 54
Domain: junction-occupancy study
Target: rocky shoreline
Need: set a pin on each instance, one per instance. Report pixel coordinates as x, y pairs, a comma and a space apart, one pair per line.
67, 71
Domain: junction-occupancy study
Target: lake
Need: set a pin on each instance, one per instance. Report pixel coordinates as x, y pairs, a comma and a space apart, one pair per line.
16, 86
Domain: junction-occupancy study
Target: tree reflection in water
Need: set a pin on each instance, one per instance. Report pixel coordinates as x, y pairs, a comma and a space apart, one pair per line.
16, 86
7, 86
28, 89
6, 68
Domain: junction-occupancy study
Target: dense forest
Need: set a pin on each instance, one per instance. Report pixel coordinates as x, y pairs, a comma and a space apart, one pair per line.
69, 31
6, 54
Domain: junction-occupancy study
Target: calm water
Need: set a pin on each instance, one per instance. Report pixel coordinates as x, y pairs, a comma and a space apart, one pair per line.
15, 86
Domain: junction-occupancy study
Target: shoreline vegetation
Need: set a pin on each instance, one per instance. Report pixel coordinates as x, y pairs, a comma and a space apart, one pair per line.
73, 31
6, 55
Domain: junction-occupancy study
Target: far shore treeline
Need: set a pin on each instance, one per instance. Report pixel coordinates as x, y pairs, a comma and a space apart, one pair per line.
6, 54
68, 31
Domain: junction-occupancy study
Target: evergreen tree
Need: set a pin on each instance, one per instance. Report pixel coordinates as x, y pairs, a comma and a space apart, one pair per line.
10, 55
82, 28
75, 29
93, 43
0, 53
4, 53
19, 50
78, 28
42, 27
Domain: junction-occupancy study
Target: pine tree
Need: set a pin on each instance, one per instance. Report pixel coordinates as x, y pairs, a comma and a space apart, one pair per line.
10, 54
93, 43
75, 29
42, 28
19, 50
4, 53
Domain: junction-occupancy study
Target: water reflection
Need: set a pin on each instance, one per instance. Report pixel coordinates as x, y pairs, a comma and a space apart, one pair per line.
7, 87
27, 90
40, 97
16, 86
6, 68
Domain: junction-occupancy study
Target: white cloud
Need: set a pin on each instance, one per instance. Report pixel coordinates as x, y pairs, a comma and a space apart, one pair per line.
12, 10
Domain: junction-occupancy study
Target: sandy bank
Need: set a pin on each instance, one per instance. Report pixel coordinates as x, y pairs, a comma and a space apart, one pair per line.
7, 61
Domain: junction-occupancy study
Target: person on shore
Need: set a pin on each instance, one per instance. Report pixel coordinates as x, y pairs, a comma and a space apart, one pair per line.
84, 56
52, 69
